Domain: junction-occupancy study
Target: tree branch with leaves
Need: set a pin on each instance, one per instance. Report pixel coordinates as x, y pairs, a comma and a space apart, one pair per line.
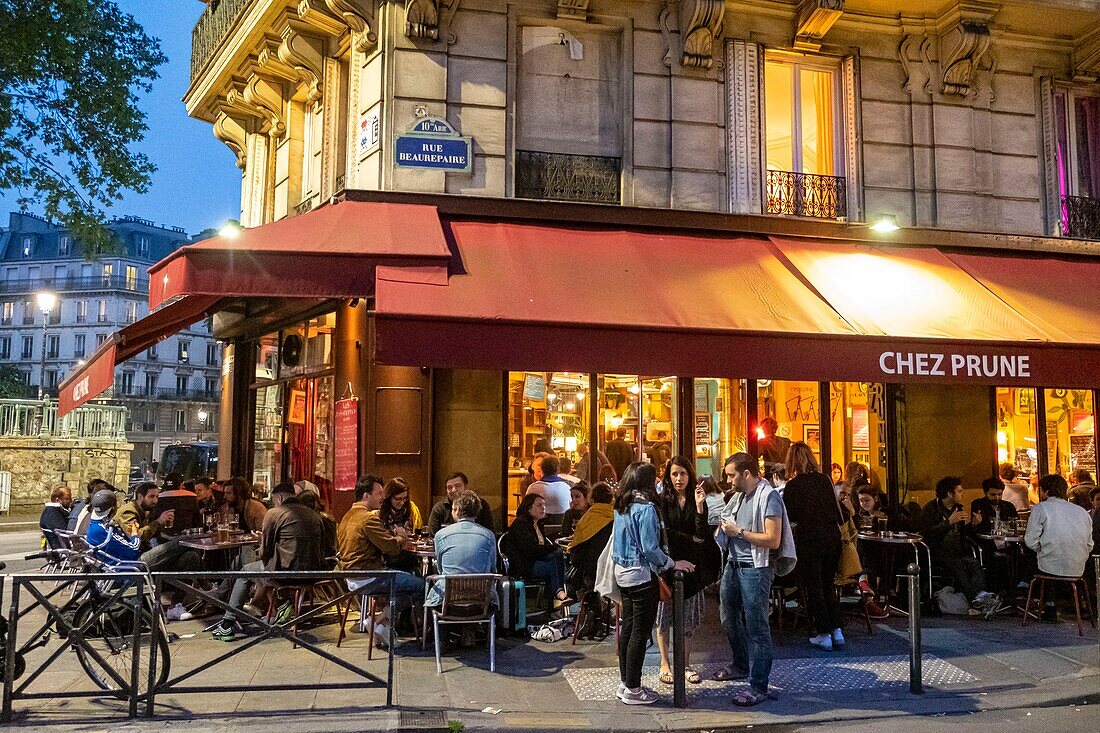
71, 72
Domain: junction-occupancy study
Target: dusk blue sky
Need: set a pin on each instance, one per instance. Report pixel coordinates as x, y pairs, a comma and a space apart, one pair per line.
197, 183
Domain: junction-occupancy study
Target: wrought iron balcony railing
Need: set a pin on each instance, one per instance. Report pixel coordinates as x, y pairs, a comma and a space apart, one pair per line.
214, 24
561, 177
1080, 217
807, 194
139, 285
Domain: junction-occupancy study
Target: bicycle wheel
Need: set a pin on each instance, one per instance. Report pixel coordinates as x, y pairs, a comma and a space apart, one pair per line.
110, 634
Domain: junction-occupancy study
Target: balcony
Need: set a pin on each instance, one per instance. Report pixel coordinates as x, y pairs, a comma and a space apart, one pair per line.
167, 393
214, 25
560, 177
806, 194
1080, 217
31, 418
77, 284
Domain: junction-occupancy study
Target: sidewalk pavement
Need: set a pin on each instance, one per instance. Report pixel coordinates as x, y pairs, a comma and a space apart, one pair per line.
18, 522
972, 668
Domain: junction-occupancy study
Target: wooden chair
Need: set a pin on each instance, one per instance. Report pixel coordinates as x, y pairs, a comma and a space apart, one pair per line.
1044, 579
467, 599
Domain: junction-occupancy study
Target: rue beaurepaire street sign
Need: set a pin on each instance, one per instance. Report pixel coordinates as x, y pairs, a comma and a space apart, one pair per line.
432, 143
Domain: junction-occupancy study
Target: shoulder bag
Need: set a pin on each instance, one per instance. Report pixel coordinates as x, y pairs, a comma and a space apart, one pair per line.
849, 565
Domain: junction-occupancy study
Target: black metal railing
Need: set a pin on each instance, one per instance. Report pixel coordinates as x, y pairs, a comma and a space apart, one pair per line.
807, 194
1080, 217
214, 25
77, 284
561, 177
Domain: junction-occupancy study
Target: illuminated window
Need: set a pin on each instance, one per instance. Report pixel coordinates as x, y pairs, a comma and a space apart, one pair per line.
787, 412
800, 112
719, 424
1071, 431
858, 427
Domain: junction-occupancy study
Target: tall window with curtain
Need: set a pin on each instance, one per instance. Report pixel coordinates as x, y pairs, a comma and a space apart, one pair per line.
1077, 151
802, 119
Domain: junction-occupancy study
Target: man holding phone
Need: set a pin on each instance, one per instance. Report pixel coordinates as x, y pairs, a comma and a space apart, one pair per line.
946, 526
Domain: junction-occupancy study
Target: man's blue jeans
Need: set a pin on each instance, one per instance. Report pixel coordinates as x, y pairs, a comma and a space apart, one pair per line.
744, 594
406, 587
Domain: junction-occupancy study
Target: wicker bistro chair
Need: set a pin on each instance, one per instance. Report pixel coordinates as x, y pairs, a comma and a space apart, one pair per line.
467, 599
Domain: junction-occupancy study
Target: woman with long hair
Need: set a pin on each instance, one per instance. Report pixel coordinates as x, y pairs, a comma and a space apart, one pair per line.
529, 552
815, 518
684, 511
638, 556
398, 510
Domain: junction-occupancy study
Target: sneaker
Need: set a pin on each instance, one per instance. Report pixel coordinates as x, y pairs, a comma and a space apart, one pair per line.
838, 638
822, 641
381, 635
223, 632
981, 599
178, 613
641, 696
252, 610
865, 587
620, 690
283, 613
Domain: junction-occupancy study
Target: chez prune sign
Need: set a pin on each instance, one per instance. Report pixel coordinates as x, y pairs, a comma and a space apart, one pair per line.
955, 364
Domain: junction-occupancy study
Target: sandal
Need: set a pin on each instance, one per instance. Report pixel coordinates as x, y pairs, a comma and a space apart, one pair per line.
748, 698
666, 678
693, 676
729, 672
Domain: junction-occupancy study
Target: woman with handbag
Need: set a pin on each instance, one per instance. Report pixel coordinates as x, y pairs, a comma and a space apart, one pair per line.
638, 558
816, 519
689, 537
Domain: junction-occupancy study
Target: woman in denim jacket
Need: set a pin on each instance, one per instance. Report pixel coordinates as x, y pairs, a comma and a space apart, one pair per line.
638, 555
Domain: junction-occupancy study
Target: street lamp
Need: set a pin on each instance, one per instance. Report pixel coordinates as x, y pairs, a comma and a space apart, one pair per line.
46, 302
203, 416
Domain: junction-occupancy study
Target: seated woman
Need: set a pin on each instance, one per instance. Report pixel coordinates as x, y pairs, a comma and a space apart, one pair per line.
530, 554
589, 539
398, 510
578, 505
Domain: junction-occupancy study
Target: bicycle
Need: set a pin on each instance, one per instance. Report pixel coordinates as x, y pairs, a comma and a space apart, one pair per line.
97, 622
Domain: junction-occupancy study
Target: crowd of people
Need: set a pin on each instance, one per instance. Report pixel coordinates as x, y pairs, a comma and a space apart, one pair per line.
619, 538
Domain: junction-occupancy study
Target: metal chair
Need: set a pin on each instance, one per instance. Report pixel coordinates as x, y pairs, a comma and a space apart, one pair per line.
467, 599
542, 586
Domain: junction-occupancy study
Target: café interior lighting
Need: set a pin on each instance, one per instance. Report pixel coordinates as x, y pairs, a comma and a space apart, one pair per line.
885, 224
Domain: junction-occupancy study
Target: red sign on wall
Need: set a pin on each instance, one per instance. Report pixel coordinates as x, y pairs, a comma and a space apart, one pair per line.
347, 444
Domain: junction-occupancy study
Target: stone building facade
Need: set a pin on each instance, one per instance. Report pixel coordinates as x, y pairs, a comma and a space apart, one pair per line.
167, 388
943, 117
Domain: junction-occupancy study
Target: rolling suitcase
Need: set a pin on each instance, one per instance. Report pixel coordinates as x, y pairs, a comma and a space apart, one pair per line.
513, 605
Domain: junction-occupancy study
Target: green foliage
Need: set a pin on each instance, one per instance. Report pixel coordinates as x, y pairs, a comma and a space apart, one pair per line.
12, 384
455, 726
70, 75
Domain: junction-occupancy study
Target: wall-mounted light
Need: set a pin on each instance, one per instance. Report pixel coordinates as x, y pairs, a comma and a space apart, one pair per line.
885, 224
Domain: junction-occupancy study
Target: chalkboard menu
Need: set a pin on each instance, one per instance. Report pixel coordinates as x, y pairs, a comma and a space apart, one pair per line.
346, 448
1082, 452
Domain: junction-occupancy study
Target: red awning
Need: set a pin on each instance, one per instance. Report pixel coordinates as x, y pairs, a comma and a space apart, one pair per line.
329, 252
98, 372
576, 299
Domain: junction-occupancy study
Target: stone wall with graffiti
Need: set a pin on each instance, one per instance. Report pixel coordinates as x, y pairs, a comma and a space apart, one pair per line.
37, 465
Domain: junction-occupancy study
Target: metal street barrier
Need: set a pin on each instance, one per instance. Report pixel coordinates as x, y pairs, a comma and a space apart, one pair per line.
114, 623
916, 678
679, 660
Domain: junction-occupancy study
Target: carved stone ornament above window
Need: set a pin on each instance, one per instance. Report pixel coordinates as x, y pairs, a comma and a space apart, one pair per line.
261, 99
333, 16
295, 56
233, 132
573, 9
815, 18
430, 19
700, 30
1086, 57
967, 56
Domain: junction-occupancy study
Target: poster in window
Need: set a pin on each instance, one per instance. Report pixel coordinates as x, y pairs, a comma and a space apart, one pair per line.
812, 435
861, 431
296, 414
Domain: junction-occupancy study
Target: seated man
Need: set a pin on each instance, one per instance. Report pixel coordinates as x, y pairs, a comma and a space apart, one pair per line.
991, 507
81, 513
1081, 485
176, 497
55, 515
946, 534
110, 543
140, 518
292, 539
463, 547
208, 502
441, 515
365, 543
1060, 533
